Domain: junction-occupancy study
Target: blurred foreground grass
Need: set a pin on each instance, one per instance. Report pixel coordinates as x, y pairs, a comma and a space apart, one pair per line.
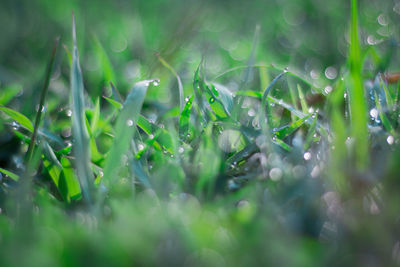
220, 133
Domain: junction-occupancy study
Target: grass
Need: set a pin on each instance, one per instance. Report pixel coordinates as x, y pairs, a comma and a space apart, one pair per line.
195, 164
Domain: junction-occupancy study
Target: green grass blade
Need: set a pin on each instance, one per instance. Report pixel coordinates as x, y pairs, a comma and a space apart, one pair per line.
358, 108
184, 119
9, 92
41, 103
178, 79
18, 117
289, 129
124, 130
80, 132
12, 175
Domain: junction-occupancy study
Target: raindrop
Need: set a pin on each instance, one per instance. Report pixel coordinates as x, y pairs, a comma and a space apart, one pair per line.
15, 125
371, 40
307, 156
311, 110
172, 155
275, 174
140, 147
151, 136
101, 173
374, 113
390, 140
328, 89
186, 99
286, 69
383, 20
251, 112
129, 123
68, 112
156, 82
331, 73
314, 74
181, 150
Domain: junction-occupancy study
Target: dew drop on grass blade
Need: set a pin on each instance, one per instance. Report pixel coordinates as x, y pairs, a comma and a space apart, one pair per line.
124, 130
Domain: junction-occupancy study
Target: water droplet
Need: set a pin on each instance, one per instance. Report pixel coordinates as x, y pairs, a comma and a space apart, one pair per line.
212, 100
156, 82
43, 109
251, 112
311, 110
371, 40
286, 69
390, 140
275, 174
129, 123
15, 125
172, 155
345, 95
314, 74
331, 73
181, 149
68, 112
374, 113
187, 99
151, 136
328, 89
307, 156
383, 20
140, 147
272, 104
101, 173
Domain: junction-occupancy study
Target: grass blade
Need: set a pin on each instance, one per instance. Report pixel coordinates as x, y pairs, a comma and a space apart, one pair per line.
178, 79
42, 98
80, 132
358, 108
125, 128
18, 117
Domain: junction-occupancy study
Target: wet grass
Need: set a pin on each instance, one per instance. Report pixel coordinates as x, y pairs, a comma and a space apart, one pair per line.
261, 165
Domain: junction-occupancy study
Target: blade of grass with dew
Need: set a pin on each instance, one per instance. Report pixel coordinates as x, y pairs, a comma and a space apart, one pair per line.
18, 117
80, 132
358, 108
184, 119
43, 94
289, 129
178, 79
303, 103
124, 130
310, 134
10, 174
220, 99
385, 120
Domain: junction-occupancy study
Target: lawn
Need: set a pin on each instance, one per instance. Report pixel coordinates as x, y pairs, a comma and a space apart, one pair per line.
188, 133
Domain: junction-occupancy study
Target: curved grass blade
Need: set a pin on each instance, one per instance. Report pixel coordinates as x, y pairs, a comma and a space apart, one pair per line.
80, 131
124, 130
18, 117
178, 79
